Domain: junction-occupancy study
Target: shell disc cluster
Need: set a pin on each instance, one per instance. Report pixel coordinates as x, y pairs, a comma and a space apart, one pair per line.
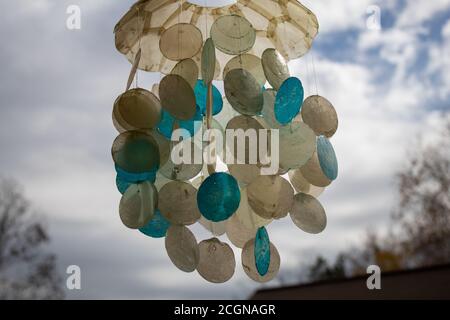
163, 199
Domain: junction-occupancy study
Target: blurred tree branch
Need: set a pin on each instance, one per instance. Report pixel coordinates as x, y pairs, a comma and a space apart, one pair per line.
26, 270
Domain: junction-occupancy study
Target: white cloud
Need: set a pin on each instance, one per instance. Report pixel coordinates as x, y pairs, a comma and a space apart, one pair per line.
418, 11
337, 16
439, 62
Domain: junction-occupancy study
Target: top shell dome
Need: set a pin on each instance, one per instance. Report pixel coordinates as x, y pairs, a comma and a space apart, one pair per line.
285, 25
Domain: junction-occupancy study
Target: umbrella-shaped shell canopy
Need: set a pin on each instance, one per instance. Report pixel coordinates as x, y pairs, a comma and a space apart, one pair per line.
285, 25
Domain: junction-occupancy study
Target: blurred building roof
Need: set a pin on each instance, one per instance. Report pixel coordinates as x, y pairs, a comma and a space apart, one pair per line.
424, 283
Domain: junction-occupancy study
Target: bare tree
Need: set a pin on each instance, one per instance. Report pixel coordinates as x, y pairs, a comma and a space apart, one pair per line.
423, 212
27, 271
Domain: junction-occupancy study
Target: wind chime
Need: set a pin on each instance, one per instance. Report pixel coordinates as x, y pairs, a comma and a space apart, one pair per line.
247, 45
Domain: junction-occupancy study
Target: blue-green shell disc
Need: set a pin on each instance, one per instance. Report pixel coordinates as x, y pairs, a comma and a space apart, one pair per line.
262, 251
289, 100
165, 126
128, 177
122, 185
218, 197
327, 158
201, 94
157, 227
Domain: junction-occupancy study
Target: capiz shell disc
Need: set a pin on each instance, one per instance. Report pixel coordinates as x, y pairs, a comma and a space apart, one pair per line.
247, 216
248, 62
178, 203
233, 34
243, 92
208, 61
308, 214
313, 173
182, 248
327, 158
237, 232
320, 115
156, 227
216, 228
137, 109
217, 261
188, 70
249, 263
177, 97
275, 67
289, 100
218, 197
270, 197
136, 152
297, 144
262, 251
181, 41
138, 204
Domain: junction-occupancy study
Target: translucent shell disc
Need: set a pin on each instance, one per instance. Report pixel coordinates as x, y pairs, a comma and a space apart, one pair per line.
238, 233
181, 41
136, 109
297, 144
268, 110
251, 127
233, 34
177, 97
218, 197
138, 204
178, 203
249, 263
188, 70
217, 261
308, 214
208, 61
320, 115
270, 197
182, 248
135, 152
163, 146
302, 185
313, 173
275, 67
216, 228
243, 92
244, 173
248, 62
327, 158
247, 216
186, 170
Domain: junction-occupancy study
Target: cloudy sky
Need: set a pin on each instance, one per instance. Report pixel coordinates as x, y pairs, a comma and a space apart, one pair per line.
58, 87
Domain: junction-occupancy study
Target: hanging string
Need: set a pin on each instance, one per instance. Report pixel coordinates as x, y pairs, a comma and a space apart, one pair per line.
314, 71
179, 33
206, 18
308, 77
139, 43
240, 43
